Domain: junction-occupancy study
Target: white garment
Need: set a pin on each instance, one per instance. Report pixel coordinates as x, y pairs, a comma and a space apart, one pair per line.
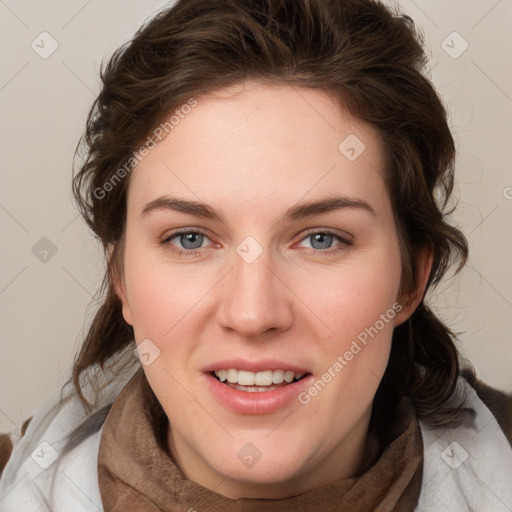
36, 478
465, 470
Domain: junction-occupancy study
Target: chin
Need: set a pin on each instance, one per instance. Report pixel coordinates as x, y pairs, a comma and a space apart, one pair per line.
264, 466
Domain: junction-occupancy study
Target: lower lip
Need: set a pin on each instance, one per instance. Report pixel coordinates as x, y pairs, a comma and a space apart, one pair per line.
259, 402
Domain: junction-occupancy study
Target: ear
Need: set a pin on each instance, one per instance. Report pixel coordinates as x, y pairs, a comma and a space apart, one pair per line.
119, 285
422, 266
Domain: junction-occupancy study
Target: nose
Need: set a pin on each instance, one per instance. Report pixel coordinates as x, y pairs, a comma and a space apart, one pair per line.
255, 298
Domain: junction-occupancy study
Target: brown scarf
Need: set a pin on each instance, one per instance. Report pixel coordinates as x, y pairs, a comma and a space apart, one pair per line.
136, 472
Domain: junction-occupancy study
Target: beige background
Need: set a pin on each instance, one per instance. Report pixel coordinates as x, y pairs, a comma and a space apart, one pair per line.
44, 102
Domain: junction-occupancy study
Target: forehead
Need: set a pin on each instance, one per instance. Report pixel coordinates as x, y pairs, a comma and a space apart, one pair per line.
256, 142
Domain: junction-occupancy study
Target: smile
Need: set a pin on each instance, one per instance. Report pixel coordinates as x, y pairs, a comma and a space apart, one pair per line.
261, 381
256, 398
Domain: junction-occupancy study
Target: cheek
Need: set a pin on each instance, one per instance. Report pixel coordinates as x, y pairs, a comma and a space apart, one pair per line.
161, 295
354, 297
357, 306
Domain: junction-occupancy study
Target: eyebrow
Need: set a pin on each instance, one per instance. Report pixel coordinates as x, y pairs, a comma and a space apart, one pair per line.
297, 212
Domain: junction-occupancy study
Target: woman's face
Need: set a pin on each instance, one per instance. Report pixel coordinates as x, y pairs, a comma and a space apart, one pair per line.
289, 265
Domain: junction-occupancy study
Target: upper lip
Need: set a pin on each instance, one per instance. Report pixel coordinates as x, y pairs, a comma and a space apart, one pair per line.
254, 366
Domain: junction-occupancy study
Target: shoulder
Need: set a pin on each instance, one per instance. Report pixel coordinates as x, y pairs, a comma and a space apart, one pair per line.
61, 480
468, 467
498, 402
30, 456
55, 458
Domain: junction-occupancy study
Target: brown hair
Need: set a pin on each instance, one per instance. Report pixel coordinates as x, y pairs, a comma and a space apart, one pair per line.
370, 58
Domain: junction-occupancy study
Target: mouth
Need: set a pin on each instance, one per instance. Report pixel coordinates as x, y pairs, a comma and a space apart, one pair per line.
257, 382
265, 386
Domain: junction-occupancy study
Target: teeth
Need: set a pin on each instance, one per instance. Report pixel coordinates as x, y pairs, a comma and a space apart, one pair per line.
245, 378
232, 376
254, 389
265, 378
277, 376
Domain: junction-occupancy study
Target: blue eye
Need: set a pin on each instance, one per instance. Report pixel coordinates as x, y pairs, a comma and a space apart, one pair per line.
322, 240
190, 242
325, 240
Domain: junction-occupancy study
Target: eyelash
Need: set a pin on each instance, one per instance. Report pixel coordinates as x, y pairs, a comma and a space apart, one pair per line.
197, 252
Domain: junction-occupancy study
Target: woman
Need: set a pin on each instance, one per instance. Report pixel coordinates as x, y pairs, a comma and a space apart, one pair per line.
269, 181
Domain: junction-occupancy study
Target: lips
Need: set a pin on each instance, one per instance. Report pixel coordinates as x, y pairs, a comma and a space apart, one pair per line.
254, 366
259, 387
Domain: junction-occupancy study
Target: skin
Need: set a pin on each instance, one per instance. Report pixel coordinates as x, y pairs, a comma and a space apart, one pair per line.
252, 152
